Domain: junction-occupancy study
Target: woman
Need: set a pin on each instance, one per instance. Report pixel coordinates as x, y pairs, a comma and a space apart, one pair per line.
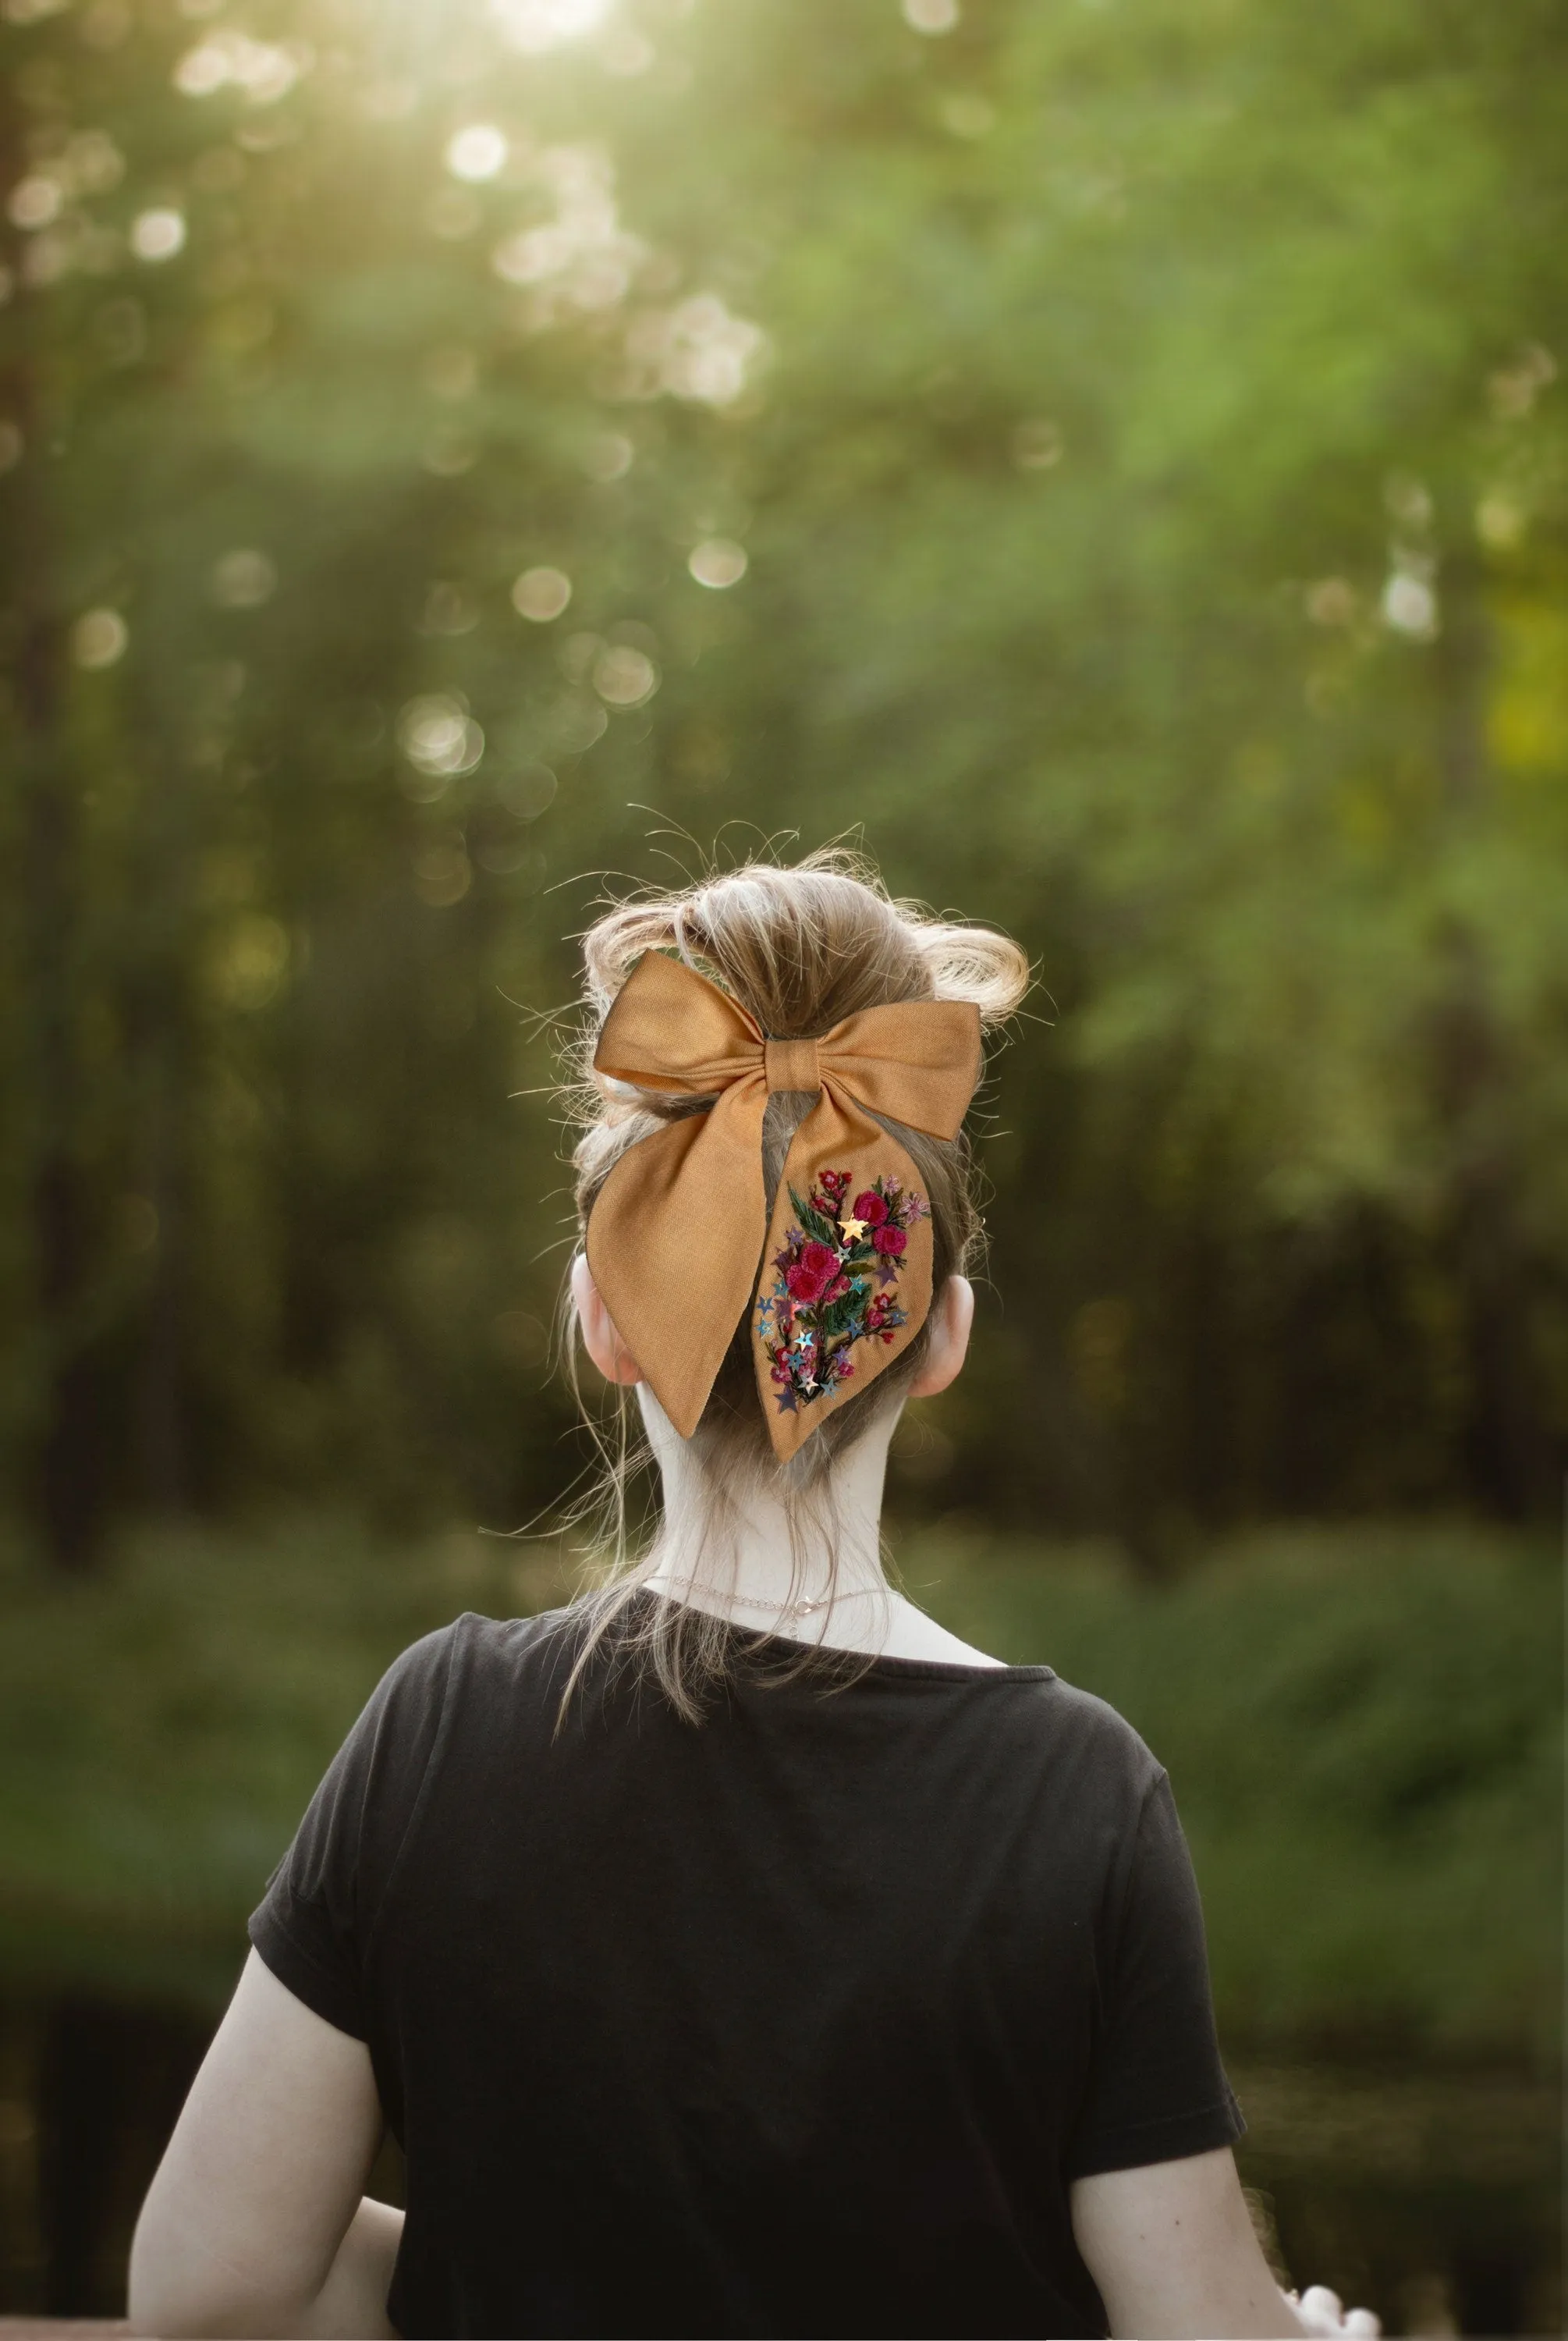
736, 1951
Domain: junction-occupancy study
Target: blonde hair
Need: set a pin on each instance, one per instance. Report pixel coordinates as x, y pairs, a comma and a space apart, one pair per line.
801, 948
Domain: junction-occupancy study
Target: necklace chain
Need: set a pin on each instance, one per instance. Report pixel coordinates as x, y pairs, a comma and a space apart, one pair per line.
797, 1611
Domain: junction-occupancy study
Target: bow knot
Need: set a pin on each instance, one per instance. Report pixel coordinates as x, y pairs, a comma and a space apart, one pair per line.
791, 1065
681, 1225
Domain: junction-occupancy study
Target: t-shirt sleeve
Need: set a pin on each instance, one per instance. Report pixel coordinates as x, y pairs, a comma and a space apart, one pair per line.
1157, 2090
314, 1923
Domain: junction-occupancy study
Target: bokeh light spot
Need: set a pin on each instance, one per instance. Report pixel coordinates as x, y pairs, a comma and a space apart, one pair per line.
36, 201
244, 579
1410, 606
226, 59
477, 151
528, 792
157, 235
98, 638
442, 872
441, 740
251, 962
449, 609
541, 594
717, 562
697, 350
625, 676
931, 16
1331, 601
1500, 521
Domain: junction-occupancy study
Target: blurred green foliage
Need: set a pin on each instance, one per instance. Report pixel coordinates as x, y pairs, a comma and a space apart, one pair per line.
1364, 1733
1139, 429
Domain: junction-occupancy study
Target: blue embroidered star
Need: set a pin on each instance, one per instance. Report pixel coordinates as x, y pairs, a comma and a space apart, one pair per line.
786, 1401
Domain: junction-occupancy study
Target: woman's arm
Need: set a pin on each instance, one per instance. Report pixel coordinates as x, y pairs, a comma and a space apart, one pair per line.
256, 2222
1172, 2249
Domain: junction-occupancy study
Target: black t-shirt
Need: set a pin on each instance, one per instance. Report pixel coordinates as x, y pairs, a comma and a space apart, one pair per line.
797, 2022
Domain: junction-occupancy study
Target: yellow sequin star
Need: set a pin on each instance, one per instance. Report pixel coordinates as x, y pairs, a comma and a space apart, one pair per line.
853, 1230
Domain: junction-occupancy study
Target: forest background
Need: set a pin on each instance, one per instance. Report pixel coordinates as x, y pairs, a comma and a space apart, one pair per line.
1106, 460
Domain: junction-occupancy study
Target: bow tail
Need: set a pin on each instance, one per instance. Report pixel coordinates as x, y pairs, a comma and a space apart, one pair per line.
843, 1292
673, 1240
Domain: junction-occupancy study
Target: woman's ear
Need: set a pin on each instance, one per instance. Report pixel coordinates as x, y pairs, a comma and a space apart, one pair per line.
952, 1314
599, 1337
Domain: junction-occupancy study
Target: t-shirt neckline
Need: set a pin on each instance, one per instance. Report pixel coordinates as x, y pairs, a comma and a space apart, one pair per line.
882, 1663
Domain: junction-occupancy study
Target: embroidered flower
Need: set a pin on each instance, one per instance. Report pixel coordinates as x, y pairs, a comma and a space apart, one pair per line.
823, 1301
810, 1279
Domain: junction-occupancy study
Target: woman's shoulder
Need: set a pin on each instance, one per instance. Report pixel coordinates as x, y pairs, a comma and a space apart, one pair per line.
1081, 1725
468, 1647
475, 1640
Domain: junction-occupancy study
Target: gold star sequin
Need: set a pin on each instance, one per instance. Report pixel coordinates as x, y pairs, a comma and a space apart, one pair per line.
853, 1230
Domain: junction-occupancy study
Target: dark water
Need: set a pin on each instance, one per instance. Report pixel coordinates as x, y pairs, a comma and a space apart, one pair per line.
1431, 2196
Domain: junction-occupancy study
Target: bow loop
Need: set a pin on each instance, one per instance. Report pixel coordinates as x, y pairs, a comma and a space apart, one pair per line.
681, 1227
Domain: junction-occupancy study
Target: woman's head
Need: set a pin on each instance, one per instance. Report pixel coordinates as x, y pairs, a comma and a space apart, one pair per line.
800, 949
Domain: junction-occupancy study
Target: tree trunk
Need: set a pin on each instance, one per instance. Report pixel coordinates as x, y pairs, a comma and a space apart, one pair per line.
67, 1491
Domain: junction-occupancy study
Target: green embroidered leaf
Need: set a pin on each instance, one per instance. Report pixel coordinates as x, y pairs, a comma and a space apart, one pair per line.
823, 1230
838, 1315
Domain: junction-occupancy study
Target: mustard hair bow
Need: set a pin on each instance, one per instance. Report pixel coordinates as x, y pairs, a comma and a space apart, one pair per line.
680, 1240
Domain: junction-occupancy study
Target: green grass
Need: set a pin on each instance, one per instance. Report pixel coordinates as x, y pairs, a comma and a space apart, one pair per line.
1363, 1727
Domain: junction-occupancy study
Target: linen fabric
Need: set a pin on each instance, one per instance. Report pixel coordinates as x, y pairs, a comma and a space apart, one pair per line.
677, 1231
801, 2022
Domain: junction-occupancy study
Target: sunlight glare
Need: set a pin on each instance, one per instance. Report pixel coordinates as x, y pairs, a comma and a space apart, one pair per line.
535, 27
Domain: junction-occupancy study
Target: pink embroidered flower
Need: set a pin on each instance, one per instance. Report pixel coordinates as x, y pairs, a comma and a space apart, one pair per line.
823, 1304
814, 1273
